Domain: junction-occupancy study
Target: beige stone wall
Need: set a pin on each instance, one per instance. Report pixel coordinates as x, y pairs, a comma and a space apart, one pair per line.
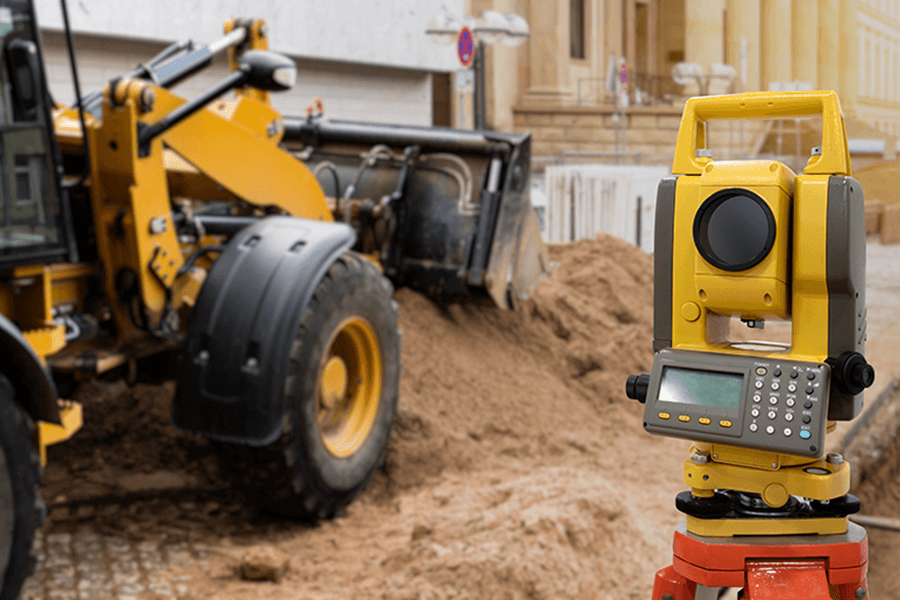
850, 46
649, 131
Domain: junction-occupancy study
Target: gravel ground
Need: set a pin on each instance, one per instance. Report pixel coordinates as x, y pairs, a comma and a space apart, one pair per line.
89, 566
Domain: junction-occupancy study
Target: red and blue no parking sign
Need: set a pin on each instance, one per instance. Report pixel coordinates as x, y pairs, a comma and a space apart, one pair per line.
465, 47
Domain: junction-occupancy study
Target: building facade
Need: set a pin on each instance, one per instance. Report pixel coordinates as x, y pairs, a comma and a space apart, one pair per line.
368, 60
556, 84
371, 60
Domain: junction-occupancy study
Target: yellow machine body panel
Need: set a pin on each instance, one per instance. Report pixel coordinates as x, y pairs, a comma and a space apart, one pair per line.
704, 298
240, 156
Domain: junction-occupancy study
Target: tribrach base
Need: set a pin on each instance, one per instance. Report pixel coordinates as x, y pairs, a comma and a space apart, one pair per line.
767, 567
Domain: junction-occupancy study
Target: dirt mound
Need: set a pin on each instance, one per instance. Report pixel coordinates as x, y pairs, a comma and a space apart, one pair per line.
481, 385
517, 467
875, 450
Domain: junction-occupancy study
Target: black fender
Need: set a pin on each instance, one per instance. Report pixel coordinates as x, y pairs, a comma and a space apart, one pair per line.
232, 369
34, 386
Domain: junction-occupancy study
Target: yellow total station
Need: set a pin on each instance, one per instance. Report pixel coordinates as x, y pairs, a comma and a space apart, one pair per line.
752, 240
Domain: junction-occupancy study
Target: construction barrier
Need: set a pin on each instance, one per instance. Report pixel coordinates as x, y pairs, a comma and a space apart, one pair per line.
584, 200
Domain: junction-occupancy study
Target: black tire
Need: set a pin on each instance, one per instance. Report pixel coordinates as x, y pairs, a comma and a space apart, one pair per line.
298, 476
20, 478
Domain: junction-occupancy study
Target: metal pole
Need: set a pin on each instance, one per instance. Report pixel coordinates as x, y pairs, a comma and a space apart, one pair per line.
479, 95
637, 228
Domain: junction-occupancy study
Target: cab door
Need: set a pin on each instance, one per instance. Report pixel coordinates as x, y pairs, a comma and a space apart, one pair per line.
35, 224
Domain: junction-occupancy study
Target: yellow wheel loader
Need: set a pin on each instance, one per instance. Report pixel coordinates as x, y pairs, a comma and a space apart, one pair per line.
137, 222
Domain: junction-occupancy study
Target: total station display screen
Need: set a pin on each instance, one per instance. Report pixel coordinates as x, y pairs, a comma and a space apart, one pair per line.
701, 388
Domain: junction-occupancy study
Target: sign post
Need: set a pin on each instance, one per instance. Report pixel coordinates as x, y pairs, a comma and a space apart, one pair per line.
465, 51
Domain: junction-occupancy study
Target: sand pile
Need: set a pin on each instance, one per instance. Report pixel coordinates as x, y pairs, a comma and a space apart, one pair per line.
874, 451
517, 467
483, 385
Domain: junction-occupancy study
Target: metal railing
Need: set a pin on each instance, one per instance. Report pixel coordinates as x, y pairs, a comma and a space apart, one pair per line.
654, 90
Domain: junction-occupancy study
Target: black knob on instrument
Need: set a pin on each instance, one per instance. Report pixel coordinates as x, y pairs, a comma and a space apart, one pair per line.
636, 387
852, 373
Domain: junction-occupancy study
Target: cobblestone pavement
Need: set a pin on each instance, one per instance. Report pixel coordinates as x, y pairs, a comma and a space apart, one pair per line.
88, 566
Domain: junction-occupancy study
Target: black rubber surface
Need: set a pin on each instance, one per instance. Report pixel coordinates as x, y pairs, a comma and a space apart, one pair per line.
23, 473
296, 476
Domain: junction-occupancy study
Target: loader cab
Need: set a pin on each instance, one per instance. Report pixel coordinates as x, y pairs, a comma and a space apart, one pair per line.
34, 223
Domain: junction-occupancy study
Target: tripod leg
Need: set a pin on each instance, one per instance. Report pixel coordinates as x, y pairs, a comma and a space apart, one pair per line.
669, 585
779, 579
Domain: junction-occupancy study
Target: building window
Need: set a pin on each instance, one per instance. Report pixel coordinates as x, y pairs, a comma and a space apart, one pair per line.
576, 28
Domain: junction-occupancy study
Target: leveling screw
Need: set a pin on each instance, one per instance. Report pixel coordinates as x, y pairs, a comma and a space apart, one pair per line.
860, 593
700, 458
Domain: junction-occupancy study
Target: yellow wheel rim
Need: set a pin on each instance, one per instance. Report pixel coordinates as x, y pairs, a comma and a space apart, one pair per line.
348, 389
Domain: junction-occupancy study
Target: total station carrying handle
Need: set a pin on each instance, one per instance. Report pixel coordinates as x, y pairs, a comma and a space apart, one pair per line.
835, 156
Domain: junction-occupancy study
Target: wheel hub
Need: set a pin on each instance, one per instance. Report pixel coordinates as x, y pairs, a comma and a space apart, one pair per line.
333, 383
349, 387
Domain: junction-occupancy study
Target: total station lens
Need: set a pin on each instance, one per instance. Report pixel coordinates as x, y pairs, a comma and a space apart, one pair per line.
734, 229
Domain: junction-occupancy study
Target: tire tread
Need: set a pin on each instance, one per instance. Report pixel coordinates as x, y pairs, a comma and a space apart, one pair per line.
274, 476
26, 473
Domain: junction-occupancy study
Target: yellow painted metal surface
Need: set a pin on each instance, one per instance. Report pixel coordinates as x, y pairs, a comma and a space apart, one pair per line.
835, 156
186, 181
732, 527
245, 162
348, 390
128, 193
187, 288
49, 433
67, 127
809, 339
46, 340
747, 457
789, 283
260, 118
834, 481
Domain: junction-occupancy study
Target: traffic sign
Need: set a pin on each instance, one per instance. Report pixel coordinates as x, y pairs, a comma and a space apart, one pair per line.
465, 47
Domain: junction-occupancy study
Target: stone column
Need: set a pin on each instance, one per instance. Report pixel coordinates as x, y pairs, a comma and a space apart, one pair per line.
652, 37
776, 42
548, 73
829, 58
850, 63
744, 23
704, 35
615, 43
630, 34
502, 74
805, 41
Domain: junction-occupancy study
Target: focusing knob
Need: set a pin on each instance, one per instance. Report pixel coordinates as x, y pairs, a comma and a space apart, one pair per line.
852, 373
636, 387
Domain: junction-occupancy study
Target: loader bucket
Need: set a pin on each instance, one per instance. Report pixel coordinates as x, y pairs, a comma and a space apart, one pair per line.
462, 226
